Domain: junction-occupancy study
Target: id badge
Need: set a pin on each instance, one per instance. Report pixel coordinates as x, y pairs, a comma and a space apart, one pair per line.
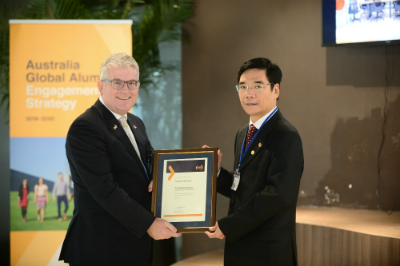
236, 179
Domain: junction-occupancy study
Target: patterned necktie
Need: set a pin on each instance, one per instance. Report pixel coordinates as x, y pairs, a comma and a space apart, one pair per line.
250, 134
125, 126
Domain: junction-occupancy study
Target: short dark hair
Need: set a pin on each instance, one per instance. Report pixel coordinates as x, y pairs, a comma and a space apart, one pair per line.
272, 71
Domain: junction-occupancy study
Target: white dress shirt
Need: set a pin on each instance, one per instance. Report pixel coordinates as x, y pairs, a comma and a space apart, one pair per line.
117, 116
260, 121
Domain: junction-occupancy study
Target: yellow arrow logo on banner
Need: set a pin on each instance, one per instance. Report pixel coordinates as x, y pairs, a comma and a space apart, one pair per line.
172, 172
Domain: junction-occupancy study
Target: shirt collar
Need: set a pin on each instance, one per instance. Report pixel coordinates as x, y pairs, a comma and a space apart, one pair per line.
117, 116
260, 121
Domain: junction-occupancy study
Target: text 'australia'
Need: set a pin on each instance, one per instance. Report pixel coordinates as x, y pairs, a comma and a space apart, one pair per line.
68, 64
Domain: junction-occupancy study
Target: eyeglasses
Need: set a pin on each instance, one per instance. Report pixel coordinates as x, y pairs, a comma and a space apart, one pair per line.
117, 84
245, 87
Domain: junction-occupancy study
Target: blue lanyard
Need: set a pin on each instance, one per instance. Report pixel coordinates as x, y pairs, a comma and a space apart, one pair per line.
241, 151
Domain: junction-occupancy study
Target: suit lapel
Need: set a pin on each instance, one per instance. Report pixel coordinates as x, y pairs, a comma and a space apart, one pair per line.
140, 138
239, 142
256, 146
116, 128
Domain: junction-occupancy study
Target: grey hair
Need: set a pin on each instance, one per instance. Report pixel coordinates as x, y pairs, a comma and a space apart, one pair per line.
117, 60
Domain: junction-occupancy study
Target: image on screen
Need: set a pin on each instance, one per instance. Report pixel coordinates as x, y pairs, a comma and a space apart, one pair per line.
360, 21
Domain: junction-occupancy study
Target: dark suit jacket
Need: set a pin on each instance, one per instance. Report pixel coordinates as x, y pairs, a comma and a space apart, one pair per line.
112, 202
261, 222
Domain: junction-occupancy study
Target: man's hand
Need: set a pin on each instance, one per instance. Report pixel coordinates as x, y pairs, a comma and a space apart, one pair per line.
150, 186
219, 157
54, 199
215, 232
162, 229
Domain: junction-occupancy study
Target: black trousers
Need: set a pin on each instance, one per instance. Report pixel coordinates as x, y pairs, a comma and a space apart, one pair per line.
24, 211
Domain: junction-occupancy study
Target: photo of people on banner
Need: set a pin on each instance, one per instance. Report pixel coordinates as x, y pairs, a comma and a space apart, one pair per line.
41, 189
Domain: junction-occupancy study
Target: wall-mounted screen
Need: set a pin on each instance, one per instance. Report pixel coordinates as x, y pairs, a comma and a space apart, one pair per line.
360, 21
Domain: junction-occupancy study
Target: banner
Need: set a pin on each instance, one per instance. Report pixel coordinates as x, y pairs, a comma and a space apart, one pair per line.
54, 69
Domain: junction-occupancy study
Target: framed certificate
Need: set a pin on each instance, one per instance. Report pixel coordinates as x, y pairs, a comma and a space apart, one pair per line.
184, 188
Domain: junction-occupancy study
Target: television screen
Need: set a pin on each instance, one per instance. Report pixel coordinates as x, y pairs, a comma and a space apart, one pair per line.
360, 21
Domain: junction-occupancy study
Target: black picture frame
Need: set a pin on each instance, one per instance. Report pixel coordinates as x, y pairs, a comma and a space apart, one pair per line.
186, 161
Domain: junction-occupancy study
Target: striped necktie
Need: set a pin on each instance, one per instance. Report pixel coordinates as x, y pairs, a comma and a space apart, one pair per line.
125, 126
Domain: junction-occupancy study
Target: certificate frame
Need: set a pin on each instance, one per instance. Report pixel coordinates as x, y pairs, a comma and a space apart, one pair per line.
195, 170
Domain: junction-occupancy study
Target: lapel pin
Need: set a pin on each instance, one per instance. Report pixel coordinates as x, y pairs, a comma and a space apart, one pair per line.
115, 127
259, 145
134, 127
252, 152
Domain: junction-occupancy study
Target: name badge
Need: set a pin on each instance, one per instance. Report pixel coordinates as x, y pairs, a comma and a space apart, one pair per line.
236, 179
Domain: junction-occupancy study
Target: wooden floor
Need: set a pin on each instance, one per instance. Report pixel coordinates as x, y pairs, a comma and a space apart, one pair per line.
213, 258
336, 237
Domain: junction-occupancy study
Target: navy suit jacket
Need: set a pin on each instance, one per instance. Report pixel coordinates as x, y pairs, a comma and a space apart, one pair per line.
112, 202
260, 228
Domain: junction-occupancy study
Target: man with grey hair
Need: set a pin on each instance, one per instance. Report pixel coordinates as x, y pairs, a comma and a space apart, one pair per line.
109, 152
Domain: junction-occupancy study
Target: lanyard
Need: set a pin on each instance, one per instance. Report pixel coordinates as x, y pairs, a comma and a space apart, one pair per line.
241, 151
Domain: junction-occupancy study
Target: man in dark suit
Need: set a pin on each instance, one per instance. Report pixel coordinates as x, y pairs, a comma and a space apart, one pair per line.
260, 228
108, 153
